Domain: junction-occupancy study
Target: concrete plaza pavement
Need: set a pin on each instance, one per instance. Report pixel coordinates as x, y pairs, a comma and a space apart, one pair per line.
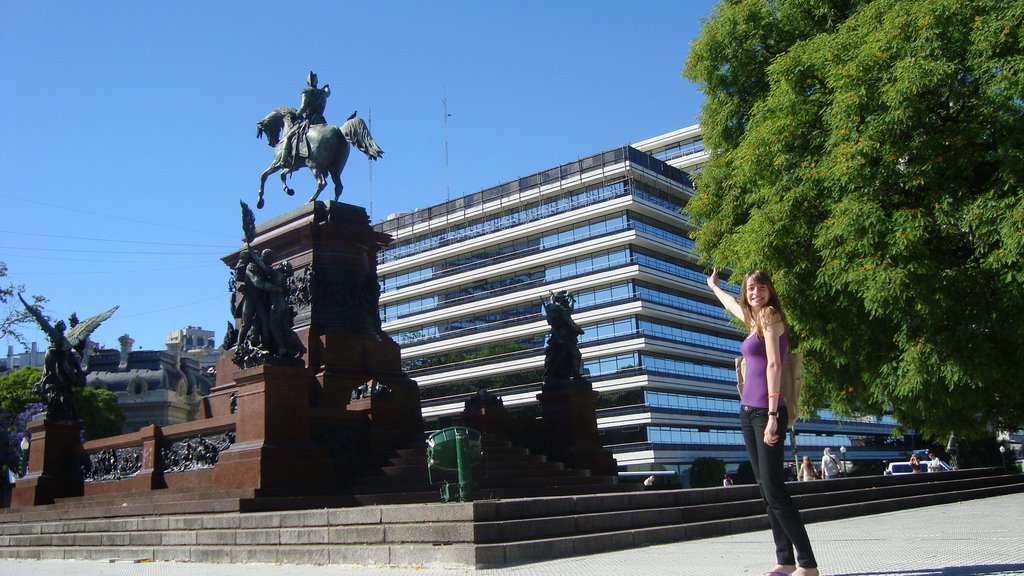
974, 538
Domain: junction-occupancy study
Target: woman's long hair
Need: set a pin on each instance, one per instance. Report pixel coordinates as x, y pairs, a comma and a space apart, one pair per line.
774, 304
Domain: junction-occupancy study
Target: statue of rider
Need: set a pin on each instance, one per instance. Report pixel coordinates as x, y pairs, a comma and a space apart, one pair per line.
311, 112
314, 101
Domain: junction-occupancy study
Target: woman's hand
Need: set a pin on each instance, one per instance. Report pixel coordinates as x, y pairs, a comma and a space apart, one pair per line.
728, 302
770, 437
713, 279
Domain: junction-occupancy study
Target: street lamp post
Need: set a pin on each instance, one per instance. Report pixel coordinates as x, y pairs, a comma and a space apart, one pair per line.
796, 456
24, 455
1002, 452
843, 450
951, 449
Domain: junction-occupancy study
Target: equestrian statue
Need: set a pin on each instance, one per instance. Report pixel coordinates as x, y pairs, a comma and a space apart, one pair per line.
302, 138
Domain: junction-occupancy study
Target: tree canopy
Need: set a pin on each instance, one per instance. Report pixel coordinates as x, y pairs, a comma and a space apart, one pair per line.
98, 408
16, 390
869, 154
12, 313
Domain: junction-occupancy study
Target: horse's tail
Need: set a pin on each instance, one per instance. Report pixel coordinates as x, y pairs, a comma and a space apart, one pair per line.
358, 135
273, 124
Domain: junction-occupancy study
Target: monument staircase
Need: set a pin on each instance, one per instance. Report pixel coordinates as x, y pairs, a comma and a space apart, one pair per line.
233, 526
505, 471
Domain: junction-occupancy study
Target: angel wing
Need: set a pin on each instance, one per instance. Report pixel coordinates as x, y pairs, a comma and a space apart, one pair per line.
40, 319
81, 331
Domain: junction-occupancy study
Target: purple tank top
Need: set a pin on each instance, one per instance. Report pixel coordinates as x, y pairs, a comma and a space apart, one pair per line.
755, 380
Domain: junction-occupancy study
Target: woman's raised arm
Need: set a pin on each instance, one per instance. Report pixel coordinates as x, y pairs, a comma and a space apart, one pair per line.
724, 297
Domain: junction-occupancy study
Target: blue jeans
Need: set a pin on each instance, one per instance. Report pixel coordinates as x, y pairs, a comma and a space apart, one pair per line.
787, 527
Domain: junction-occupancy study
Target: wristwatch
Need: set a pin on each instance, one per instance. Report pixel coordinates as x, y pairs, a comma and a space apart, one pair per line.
776, 414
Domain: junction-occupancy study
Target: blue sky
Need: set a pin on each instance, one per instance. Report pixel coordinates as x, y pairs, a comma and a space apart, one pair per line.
130, 126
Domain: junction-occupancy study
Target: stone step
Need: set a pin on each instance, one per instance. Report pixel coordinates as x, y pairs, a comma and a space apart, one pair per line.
399, 479
546, 548
500, 457
486, 489
402, 471
514, 465
479, 534
508, 450
126, 510
152, 496
303, 554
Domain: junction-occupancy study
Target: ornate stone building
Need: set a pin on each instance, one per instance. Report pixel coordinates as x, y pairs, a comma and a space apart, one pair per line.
152, 387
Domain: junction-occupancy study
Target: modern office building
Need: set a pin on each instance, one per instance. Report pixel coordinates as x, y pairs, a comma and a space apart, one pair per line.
199, 344
462, 285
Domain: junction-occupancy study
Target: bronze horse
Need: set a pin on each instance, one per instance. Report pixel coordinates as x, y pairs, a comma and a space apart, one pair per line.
324, 149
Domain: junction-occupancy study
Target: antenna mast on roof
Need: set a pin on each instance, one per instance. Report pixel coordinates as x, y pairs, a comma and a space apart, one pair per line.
447, 178
369, 118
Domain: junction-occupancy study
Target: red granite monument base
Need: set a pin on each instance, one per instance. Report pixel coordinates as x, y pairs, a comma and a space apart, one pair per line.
569, 421
51, 474
273, 449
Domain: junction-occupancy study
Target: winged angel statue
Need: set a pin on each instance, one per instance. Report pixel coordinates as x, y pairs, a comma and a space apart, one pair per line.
302, 138
62, 364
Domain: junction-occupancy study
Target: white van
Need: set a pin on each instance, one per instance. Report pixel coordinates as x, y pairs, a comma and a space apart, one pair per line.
897, 468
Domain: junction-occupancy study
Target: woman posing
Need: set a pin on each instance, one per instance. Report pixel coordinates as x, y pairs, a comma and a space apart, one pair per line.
763, 414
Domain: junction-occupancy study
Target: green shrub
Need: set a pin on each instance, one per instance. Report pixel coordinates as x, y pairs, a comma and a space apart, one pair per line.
706, 472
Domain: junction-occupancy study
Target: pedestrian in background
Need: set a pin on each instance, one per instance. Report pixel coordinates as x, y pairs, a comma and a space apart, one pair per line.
806, 469
829, 464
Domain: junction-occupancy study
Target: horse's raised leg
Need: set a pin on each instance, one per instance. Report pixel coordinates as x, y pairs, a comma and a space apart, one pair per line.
263, 180
284, 183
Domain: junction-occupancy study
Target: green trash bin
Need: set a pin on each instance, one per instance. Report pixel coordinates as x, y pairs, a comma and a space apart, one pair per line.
454, 449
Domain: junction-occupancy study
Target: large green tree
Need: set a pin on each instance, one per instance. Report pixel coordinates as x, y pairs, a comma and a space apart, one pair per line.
870, 155
16, 392
98, 408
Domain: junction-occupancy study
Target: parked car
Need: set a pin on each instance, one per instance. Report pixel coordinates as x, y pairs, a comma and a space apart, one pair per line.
897, 468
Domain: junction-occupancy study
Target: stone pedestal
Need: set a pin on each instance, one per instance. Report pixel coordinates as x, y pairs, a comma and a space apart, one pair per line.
486, 413
53, 455
348, 361
390, 425
273, 451
333, 251
569, 424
